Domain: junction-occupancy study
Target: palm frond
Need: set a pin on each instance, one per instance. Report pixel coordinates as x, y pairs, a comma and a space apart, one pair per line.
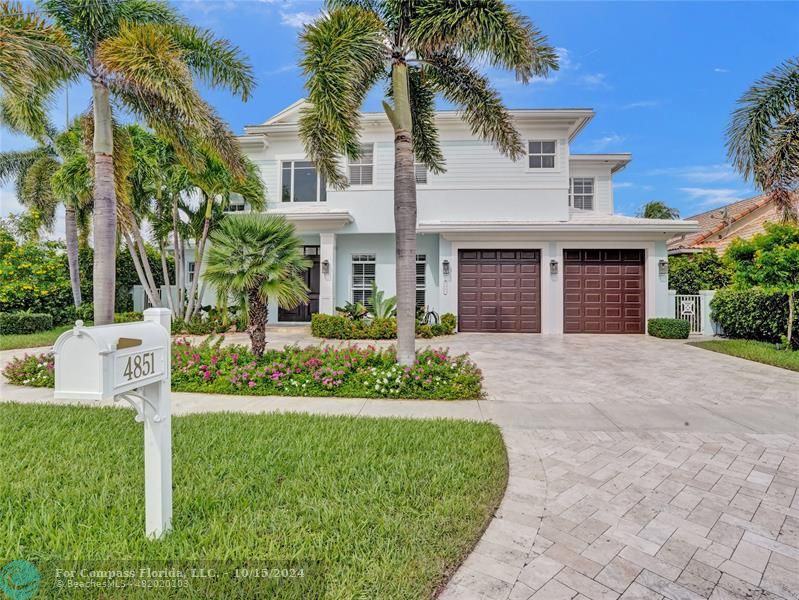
216, 61
37, 193
488, 29
343, 57
14, 163
35, 56
480, 104
768, 102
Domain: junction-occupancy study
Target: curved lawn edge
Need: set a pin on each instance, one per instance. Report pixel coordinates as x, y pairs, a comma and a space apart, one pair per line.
417, 493
488, 519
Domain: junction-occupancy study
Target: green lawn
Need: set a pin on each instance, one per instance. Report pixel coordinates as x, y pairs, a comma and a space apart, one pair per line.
762, 352
371, 508
32, 340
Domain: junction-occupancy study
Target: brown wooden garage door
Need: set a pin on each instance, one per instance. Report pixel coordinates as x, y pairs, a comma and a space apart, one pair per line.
499, 290
603, 291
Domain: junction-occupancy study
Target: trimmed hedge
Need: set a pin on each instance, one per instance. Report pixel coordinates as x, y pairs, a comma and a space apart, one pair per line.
24, 322
669, 329
339, 327
753, 314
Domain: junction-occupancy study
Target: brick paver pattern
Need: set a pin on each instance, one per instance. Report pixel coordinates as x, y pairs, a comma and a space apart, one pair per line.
638, 515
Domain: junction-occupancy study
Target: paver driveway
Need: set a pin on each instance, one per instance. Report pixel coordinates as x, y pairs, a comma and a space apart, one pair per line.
639, 469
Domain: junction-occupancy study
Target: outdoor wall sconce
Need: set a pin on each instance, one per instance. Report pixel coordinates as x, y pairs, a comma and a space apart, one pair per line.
553, 267
445, 267
325, 267
663, 267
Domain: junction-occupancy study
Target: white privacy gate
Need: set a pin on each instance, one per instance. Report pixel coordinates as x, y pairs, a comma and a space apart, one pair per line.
688, 307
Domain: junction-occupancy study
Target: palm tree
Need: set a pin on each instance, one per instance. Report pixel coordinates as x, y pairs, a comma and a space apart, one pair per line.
658, 210
418, 50
145, 56
255, 257
763, 136
54, 172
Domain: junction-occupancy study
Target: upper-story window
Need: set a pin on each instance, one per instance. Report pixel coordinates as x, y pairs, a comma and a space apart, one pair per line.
420, 173
581, 193
300, 182
541, 154
235, 204
362, 168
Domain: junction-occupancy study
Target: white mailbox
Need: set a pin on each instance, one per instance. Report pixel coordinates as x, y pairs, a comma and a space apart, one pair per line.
130, 362
98, 363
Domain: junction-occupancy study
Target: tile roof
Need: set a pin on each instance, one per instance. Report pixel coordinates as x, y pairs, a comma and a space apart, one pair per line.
719, 226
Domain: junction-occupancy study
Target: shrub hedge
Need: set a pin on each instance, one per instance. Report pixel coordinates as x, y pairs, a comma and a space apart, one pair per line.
24, 322
340, 327
669, 329
753, 314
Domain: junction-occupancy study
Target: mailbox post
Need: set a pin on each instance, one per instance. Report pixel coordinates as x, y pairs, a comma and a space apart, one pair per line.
131, 362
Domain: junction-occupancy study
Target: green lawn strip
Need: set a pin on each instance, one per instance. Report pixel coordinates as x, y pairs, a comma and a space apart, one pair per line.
32, 340
762, 352
387, 507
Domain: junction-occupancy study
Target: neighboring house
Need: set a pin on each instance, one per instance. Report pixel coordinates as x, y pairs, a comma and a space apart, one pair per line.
720, 226
527, 246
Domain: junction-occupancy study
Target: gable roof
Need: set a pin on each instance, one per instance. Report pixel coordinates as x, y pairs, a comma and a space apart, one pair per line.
719, 226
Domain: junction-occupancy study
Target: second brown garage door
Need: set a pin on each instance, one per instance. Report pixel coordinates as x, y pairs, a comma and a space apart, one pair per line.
498, 290
603, 291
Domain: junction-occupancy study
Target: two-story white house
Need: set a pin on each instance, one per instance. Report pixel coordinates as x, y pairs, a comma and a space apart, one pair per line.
526, 246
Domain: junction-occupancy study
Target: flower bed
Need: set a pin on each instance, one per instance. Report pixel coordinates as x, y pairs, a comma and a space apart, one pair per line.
349, 372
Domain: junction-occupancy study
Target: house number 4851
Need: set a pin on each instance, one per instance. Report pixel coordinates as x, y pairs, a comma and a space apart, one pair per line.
139, 365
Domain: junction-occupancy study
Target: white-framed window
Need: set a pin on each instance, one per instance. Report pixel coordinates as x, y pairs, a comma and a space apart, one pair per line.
420, 173
581, 193
190, 271
541, 154
363, 276
362, 168
235, 204
421, 268
300, 182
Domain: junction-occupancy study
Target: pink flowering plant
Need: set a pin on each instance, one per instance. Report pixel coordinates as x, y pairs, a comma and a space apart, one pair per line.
346, 371
33, 370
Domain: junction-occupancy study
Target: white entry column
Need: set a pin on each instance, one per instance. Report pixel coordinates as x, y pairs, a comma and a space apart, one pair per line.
327, 277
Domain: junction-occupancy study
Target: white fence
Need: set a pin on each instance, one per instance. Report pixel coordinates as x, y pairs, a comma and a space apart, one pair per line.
695, 308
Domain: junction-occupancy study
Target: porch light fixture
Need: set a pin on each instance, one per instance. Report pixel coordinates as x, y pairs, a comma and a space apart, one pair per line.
445, 267
325, 267
553, 267
663, 267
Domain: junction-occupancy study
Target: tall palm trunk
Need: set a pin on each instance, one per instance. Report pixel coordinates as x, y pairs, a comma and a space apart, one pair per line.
198, 258
404, 215
105, 207
165, 271
791, 303
258, 313
177, 244
71, 233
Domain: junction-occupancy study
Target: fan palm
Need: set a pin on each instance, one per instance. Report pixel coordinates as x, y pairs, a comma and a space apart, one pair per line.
418, 49
763, 136
658, 210
254, 258
144, 56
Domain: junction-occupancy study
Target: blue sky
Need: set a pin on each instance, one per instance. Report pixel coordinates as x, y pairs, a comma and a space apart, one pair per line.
663, 78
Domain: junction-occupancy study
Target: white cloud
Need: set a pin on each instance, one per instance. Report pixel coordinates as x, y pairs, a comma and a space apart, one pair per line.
605, 142
565, 61
594, 80
280, 70
618, 185
642, 104
700, 173
712, 197
720, 70
298, 19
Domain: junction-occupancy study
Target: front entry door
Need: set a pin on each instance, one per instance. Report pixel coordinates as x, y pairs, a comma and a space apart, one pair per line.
303, 312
